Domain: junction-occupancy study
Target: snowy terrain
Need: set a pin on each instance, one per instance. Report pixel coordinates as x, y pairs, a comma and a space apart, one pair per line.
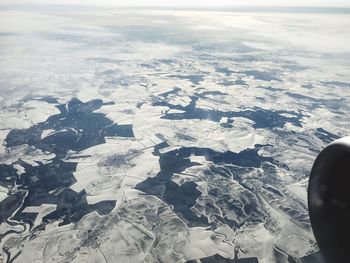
165, 135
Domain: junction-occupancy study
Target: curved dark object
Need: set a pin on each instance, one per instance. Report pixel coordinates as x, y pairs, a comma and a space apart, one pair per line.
329, 201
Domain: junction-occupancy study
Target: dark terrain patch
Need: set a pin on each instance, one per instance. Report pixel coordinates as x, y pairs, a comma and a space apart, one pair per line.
183, 197
261, 75
326, 136
77, 127
195, 79
263, 118
337, 83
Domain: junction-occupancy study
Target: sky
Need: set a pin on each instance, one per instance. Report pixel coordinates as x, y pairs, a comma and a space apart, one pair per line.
199, 3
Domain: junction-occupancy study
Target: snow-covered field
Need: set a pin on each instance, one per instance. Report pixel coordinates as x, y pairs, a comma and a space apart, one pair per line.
165, 135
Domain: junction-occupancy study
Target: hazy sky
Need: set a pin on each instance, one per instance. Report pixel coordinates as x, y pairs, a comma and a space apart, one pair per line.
315, 3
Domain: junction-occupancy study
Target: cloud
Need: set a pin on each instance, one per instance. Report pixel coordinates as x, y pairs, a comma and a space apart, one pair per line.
199, 3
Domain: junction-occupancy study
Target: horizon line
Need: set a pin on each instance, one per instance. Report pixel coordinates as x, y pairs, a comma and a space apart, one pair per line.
183, 7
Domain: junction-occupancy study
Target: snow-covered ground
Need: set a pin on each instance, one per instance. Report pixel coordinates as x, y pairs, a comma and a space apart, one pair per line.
203, 140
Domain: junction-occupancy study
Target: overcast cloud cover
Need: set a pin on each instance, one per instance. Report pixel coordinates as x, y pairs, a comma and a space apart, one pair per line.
315, 3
